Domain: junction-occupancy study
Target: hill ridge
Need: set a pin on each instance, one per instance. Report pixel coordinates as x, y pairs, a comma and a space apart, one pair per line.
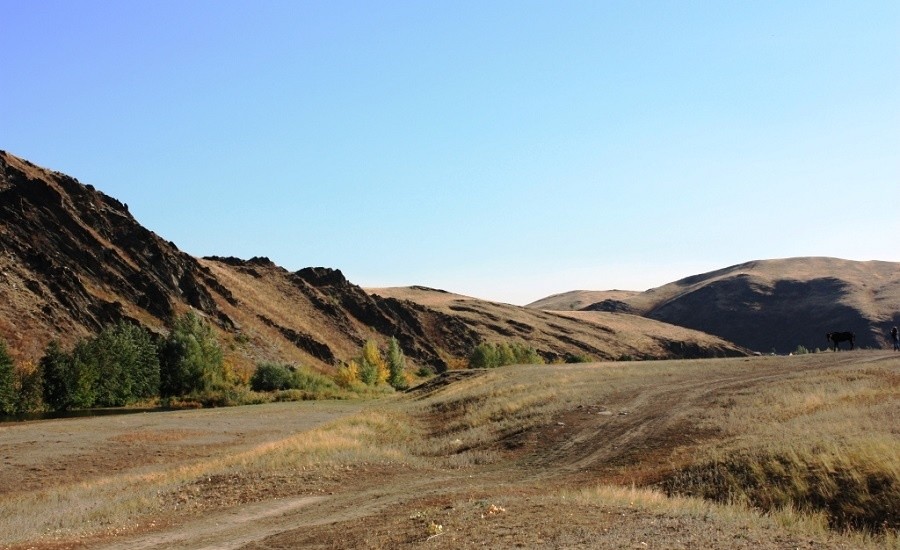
73, 259
772, 304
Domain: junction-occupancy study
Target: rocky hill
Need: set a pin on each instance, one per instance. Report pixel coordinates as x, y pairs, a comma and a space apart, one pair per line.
770, 305
73, 259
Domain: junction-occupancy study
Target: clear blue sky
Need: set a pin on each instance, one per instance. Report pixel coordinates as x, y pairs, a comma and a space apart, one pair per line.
503, 149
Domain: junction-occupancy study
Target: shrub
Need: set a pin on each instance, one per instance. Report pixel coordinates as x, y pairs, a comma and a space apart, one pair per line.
348, 374
272, 377
801, 350
314, 384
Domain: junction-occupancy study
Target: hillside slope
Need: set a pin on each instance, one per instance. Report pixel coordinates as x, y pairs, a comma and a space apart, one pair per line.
598, 335
778, 304
73, 259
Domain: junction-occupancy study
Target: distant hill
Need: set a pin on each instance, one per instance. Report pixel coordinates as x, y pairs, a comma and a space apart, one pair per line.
579, 299
777, 304
598, 335
73, 259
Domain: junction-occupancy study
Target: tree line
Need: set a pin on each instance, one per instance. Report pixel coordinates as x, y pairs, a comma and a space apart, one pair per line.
122, 365
125, 364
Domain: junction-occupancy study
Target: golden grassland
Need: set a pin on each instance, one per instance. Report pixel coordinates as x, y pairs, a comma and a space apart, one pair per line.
805, 445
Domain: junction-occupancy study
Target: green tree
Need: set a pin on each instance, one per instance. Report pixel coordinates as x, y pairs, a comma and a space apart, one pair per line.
126, 360
396, 366
526, 355
7, 381
84, 375
372, 368
58, 378
484, 356
506, 354
29, 388
190, 359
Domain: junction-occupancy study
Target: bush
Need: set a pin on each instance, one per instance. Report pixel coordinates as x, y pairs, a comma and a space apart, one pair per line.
291, 383
484, 357
272, 377
348, 375
487, 355
314, 384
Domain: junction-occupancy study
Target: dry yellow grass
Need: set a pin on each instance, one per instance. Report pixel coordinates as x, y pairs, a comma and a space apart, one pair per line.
595, 430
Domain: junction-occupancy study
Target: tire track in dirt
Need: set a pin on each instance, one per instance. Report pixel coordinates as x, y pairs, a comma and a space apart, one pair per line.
654, 419
226, 530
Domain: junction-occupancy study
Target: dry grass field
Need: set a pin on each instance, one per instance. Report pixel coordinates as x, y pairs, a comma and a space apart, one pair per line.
790, 452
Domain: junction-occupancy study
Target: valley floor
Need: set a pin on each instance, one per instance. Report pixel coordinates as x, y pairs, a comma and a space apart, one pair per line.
566, 456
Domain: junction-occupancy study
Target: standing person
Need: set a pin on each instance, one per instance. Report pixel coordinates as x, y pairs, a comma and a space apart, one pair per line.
896, 338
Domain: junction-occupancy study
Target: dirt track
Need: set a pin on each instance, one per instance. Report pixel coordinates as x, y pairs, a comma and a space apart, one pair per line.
511, 503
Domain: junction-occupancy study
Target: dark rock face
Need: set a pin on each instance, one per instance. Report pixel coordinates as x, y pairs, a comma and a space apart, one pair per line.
82, 245
421, 332
322, 277
611, 306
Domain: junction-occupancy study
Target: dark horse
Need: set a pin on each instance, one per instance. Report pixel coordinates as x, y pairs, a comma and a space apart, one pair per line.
836, 337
